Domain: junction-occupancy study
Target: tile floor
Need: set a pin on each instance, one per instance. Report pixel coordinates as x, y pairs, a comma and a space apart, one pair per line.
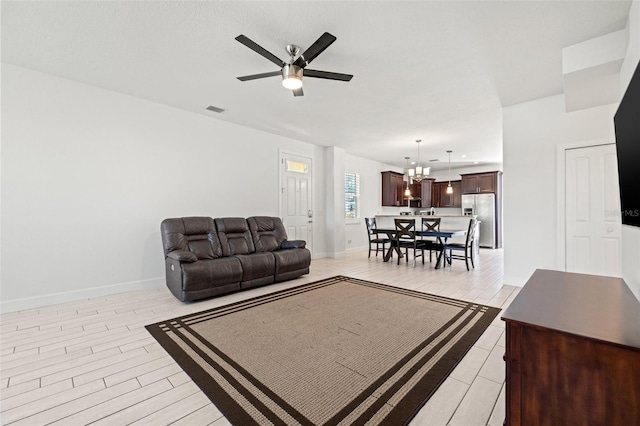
92, 361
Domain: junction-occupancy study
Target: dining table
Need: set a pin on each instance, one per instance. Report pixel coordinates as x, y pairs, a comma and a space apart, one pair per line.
441, 237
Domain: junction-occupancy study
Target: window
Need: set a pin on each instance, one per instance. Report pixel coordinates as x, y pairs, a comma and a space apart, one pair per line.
351, 196
295, 166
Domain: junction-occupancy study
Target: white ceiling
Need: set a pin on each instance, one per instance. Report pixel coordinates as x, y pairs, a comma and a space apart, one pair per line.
439, 71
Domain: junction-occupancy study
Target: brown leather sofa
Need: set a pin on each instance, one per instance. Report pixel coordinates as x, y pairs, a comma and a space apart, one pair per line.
207, 257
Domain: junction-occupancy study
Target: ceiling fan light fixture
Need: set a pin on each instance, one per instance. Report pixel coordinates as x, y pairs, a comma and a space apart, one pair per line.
291, 77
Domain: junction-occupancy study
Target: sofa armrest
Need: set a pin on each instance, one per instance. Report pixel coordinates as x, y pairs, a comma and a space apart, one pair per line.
293, 244
182, 256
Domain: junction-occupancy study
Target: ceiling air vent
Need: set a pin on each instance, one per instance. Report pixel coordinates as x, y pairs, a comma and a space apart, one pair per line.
215, 109
434, 160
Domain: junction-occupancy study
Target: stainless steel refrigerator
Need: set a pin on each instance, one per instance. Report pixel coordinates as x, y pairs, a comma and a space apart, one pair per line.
483, 206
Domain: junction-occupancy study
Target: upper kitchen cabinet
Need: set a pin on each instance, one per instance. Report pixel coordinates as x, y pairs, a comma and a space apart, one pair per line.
451, 200
435, 195
426, 191
440, 198
481, 183
393, 189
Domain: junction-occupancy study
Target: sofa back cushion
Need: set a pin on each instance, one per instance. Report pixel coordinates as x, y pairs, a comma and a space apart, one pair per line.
235, 237
268, 232
195, 234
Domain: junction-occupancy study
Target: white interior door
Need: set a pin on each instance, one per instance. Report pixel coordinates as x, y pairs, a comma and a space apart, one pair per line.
593, 225
296, 197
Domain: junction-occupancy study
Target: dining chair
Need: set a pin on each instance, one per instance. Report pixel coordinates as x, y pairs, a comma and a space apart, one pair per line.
467, 247
406, 238
431, 224
374, 236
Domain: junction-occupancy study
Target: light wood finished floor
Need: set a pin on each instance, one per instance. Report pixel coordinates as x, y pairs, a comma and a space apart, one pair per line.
93, 362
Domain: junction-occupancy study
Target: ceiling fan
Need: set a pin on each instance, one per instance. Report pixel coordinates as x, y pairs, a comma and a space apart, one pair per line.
293, 71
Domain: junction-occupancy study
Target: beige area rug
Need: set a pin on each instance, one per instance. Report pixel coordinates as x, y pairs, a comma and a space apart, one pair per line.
340, 351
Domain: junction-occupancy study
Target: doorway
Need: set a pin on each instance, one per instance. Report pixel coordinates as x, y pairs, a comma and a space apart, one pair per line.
296, 197
592, 211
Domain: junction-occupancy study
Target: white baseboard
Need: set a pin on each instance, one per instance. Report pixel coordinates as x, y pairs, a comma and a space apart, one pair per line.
515, 281
337, 255
70, 296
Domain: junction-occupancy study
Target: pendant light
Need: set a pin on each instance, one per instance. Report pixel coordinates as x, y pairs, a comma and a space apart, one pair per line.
449, 187
419, 173
407, 192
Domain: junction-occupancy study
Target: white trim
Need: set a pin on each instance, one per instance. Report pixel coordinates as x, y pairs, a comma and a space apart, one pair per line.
281, 155
319, 255
71, 296
337, 255
561, 190
514, 281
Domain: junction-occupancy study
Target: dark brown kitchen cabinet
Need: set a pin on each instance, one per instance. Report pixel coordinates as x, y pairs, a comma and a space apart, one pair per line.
415, 190
481, 183
572, 352
457, 193
426, 191
393, 186
440, 198
435, 194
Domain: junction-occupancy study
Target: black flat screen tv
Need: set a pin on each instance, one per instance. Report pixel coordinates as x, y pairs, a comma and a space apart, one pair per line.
627, 124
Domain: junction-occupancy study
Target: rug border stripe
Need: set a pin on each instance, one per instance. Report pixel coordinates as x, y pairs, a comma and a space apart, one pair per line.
466, 339
356, 402
409, 403
263, 409
209, 387
250, 378
324, 282
398, 414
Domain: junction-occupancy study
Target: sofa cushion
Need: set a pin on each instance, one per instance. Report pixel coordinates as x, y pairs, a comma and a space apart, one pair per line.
195, 234
235, 237
204, 274
257, 265
291, 260
268, 233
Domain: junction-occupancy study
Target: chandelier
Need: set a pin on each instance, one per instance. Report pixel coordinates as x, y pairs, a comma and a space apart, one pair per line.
419, 173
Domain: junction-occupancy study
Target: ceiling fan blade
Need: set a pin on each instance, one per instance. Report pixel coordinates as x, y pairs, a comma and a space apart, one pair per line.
260, 50
314, 50
328, 75
298, 92
257, 76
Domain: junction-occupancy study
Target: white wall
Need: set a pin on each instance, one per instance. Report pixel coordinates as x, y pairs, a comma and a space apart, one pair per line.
532, 131
370, 198
631, 235
89, 174
334, 201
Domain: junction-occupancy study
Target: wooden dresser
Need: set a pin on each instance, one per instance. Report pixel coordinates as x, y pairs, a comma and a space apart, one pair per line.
573, 352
